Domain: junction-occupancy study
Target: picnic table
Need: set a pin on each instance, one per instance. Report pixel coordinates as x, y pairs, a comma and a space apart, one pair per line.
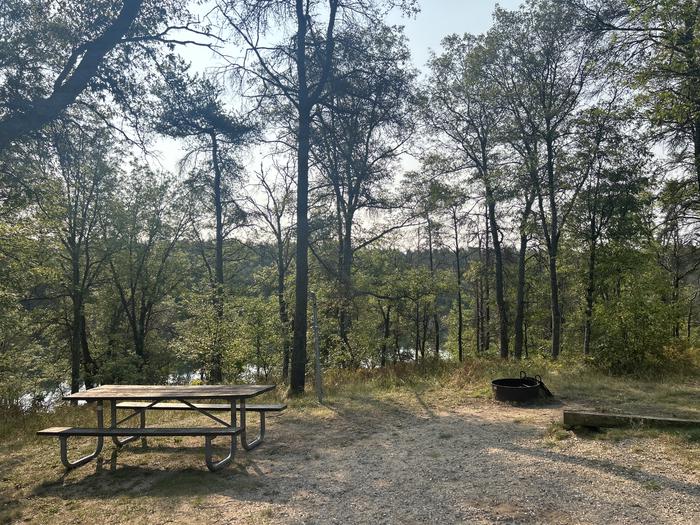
138, 399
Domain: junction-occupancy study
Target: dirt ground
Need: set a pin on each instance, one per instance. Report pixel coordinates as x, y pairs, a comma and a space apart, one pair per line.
395, 458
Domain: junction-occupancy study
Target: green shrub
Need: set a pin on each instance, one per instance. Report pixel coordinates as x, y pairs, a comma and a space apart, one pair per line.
634, 332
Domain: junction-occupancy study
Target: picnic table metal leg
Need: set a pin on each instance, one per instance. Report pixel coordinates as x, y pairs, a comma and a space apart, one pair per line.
259, 438
121, 442
98, 448
142, 420
208, 453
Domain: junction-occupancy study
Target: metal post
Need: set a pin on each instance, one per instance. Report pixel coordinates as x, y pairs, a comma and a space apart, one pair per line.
317, 350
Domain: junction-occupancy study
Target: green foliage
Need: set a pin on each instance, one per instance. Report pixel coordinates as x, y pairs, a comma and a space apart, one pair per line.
107, 267
248, 335
634, 328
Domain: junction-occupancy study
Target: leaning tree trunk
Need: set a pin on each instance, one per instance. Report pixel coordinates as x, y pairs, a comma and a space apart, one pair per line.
44, 110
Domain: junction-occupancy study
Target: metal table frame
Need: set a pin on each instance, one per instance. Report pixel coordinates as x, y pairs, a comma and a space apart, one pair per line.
213, 465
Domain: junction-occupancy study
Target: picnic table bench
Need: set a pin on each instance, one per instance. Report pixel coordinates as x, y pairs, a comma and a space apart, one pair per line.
131, 397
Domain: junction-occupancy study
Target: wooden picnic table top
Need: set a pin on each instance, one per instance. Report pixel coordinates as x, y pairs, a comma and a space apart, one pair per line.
106, 392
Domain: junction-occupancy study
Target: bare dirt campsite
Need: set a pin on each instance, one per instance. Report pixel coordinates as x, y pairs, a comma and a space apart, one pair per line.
398, 451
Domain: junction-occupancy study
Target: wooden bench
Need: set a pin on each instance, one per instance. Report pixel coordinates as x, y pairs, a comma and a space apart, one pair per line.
209, 433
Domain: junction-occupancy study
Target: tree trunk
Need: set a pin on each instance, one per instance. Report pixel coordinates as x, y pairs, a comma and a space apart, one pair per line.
88, 362
696, 148
305, 103
77, 304
284, 316
396, 337
460, 317
345, 281
522, 268
520, 299
500, 288
424, 339
387, 332
436, 318
75, 348
297, 379
216, 372
417, 330
486, 297
552, 250
676, 299
590, 291
478, 304
690, 315
556, 313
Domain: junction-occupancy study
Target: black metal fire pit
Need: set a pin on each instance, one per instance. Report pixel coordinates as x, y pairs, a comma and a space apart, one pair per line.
520, 389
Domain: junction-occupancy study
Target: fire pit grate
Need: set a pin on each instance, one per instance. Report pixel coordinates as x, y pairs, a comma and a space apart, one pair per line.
521, 389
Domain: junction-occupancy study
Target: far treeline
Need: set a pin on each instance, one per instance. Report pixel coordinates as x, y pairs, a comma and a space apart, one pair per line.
531, 191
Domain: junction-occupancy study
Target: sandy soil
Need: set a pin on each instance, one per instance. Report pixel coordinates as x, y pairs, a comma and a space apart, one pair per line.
395, 459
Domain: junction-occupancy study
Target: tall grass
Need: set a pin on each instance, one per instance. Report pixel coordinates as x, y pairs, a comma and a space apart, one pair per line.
572, 381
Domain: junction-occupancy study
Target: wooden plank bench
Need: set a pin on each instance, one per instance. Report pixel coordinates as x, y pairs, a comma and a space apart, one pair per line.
142, 407
209, 433
580, 418
151, 431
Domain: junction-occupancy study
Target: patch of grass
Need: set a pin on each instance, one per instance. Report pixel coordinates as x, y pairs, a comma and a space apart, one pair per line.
561, 435
9, 510
691, 435
557, 432
570, 379
652, 485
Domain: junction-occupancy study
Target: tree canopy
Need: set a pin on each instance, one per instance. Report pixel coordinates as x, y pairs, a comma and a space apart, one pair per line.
530, 191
